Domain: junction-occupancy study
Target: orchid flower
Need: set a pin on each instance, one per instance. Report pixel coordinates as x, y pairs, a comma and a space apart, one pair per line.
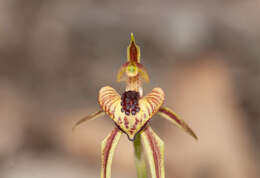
131, 113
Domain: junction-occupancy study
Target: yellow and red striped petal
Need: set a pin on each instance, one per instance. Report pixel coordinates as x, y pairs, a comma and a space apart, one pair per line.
87, 118
108, 147
110, 101
168, 114
143, 73
154, 148
121, 72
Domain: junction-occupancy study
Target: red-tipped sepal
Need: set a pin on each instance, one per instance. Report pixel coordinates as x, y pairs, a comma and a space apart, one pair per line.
168, 114
108, 147
154, 148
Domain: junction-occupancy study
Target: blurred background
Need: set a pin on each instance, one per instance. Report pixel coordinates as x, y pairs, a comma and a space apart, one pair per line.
55, 56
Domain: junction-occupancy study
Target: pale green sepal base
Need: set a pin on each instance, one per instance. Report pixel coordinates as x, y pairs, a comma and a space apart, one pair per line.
139, 157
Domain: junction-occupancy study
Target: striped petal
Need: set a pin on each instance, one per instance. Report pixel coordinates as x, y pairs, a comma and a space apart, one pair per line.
154, 147
108, 147
87, 118
143, 73
121, 71
168, 114
110, 101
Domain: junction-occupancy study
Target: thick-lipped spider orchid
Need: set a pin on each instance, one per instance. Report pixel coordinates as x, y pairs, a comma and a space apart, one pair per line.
131, 113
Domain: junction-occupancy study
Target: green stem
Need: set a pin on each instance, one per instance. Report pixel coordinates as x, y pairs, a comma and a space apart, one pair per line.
139, 157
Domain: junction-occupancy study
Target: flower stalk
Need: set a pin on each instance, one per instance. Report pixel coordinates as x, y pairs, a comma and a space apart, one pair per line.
139, 158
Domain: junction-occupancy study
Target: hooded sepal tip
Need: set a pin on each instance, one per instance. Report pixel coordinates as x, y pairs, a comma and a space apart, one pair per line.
133, 50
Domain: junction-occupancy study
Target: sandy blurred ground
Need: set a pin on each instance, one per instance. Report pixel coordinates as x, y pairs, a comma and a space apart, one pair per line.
56, 55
